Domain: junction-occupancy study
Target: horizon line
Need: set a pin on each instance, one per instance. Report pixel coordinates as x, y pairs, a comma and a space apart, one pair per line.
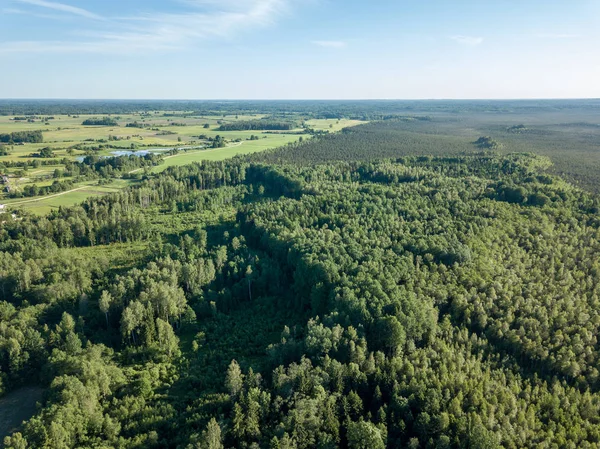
300, 99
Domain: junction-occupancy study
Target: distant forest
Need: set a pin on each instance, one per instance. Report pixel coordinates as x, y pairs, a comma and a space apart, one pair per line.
367, 109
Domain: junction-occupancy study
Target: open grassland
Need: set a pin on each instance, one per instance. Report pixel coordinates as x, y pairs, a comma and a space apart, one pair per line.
45, 204
333, 125
69, 140
219, 154
64, 132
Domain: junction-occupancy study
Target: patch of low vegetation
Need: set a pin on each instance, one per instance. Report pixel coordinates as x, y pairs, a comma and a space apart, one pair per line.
46, 153
517, 129
487, 143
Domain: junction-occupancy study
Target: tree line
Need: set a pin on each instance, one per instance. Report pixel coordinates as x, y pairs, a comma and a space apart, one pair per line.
22, 137
258, 125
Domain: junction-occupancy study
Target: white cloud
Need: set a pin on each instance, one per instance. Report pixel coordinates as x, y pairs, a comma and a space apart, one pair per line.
471, 41
330, 44
201, 19
62, 7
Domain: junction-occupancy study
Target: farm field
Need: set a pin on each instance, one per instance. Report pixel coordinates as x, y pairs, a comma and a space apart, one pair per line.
64, 132
67, 141
334, 125
44, 204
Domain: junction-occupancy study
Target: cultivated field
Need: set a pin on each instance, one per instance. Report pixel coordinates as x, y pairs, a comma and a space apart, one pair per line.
66, 140
44, 204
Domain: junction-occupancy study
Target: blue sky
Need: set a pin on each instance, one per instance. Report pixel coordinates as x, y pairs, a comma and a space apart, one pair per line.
300, 49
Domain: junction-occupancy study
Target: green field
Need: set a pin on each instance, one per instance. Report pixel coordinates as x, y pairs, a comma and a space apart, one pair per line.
219, 154
333, 125
64, 131
44, 204
70, 140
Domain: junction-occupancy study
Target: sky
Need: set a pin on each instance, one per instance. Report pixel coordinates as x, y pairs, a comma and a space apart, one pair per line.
300, 49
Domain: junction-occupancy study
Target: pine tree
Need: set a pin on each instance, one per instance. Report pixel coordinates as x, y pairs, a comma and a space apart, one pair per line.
235, 379
211, 437
104, 304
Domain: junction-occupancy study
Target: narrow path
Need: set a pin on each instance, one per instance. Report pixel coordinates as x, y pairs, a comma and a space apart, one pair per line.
18, 203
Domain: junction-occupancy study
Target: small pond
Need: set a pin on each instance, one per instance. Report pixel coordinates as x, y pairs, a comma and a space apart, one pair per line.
141, 153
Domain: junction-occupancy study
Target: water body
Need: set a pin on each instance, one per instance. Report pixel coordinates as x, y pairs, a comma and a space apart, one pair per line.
141, 153
151, 150
138, 153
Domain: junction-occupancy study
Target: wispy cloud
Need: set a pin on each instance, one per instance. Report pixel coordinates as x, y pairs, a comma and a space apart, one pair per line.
63, 8
195, 20
470, 41
330, 44
556, 36
42, 15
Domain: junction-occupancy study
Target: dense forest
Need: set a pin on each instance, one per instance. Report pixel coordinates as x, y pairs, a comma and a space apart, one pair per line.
572, 147
368, 289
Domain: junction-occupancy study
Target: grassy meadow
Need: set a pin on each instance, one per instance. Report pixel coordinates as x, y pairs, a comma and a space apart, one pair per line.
44, 204
70, 140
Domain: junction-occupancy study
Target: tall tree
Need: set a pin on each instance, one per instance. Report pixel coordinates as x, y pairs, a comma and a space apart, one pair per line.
104, 303
235, 379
